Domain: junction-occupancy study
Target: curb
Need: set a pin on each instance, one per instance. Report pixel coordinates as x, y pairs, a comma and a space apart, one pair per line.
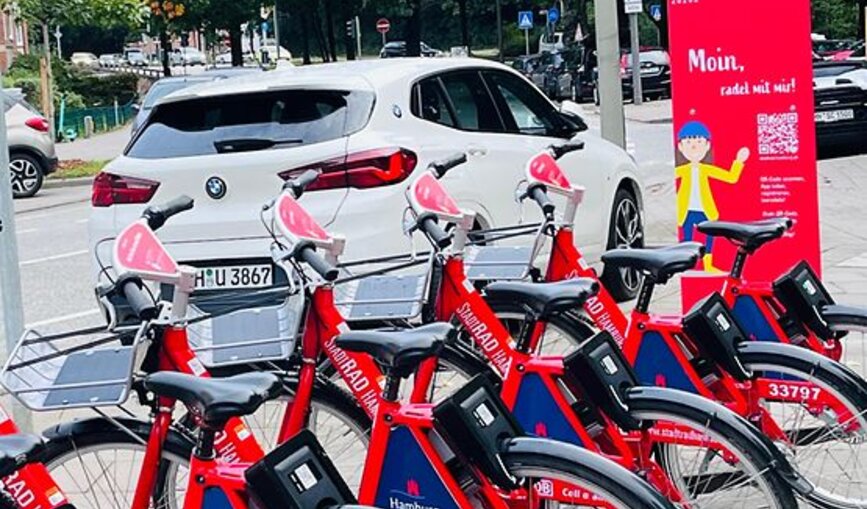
73, 182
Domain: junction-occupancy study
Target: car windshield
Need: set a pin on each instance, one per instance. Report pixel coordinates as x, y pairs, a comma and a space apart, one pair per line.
248, 122
160, 90
833, 70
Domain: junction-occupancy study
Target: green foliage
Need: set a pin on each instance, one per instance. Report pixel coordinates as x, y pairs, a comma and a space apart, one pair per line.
836, 19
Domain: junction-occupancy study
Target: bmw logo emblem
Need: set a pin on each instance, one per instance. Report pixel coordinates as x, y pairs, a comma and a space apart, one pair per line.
215, 187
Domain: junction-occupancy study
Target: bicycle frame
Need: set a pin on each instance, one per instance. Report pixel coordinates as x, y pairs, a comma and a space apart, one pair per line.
31, 486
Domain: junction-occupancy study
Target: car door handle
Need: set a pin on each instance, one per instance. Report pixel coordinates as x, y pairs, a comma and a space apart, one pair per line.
476, 151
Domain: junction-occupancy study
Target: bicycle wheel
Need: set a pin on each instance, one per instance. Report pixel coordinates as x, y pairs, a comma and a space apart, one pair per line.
713, 483
826, 441
98, 466
527, 458
340, 425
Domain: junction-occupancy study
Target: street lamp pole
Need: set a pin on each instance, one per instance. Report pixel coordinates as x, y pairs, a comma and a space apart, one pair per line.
499, 31
277, 28
11, 306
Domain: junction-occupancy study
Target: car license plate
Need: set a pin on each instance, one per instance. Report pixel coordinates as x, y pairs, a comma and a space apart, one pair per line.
649, 70
235, 276
835, 115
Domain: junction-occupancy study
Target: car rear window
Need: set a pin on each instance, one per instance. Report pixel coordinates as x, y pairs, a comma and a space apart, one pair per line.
248, 122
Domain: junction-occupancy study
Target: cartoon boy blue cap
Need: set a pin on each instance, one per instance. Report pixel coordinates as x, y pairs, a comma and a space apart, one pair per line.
693, 129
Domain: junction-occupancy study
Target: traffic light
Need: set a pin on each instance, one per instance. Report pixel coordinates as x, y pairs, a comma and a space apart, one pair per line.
350, 29
349, 40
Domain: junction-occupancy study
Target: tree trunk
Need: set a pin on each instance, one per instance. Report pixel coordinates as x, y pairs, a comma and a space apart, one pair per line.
320, 37
49, 78
862, 17
329, 29
305, 34
166, 48
235, 46
465, 29
413, 30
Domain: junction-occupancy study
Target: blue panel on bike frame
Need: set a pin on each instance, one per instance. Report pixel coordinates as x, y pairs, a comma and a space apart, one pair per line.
752, 319
540, 415
656, 363
408, 478
214, 498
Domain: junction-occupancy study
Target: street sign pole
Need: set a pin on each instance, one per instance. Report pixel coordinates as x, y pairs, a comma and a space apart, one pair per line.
525, 23
277, 29
358, 37
526, 42
637, 93
610, 91
11, 306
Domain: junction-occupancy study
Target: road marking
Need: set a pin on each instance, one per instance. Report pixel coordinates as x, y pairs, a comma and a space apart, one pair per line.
64, 318
26, 230
52, 258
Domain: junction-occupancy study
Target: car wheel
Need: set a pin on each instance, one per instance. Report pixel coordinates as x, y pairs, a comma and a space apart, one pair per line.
26, 174
625, 231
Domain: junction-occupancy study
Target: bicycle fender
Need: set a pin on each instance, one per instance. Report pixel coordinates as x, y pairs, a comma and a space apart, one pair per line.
513, 448
139, 428
785, 358
844, 318
657, 403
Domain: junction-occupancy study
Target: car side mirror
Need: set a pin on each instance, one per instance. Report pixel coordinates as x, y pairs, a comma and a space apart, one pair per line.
570, 111
136, 107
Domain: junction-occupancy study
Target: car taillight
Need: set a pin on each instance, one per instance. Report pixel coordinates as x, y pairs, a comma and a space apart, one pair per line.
110, 189
38, 123
361, 170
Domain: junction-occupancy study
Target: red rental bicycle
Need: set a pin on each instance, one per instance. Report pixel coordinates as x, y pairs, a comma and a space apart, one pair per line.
591, 397
811, 406
26, 481
485, 452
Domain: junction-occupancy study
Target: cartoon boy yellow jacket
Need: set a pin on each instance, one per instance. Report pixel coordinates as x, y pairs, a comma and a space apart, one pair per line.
705, 172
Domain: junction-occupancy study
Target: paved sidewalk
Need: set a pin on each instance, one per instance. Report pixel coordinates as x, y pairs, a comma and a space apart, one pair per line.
651, 112
101, 147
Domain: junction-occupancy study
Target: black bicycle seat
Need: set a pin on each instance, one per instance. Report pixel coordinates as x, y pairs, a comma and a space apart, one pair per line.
399, 350
18, 450
658, 264
545, 299
750, 235
216, 400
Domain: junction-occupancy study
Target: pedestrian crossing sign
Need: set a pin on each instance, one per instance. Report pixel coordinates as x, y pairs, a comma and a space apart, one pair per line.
525, 20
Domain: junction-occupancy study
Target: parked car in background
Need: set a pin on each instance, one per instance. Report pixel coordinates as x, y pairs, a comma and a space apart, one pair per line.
110, 60
828, 48
83, 59
187, 56
31, 147
162, 88
398, 49
556, 74
135, 57
840, 92
370, 126
655, 66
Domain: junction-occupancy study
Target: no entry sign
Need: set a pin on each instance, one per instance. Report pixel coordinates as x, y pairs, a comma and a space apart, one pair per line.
383, 25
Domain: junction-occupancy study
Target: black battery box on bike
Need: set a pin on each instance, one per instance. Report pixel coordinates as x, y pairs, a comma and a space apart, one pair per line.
802, 293
476, 424
298, 475
712, 326
604, 376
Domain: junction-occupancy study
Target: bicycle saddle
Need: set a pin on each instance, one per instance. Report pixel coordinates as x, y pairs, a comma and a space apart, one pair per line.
751, 235
545, 299
399, 350
658, 264
216, 400
18, 450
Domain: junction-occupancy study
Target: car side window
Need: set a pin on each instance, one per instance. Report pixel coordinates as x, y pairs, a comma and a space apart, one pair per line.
432, 105
527, 111
474, 109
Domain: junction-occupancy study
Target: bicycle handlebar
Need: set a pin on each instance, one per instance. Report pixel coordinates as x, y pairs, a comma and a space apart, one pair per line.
539, 194
157, 215
300, 183
442, 166
561, 149
429, 225
306, 253
141, 303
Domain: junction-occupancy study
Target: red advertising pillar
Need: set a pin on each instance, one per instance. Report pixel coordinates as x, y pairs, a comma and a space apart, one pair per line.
744, 133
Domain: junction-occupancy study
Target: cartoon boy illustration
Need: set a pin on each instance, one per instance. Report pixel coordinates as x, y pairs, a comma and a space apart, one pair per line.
694, 170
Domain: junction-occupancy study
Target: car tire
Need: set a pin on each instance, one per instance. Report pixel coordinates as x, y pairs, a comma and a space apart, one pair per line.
625, 230
27, 175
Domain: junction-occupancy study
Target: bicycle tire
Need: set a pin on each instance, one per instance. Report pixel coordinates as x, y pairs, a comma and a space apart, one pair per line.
777, 491
535, 458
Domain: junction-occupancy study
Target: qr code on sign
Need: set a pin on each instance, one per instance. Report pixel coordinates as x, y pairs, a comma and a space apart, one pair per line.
778, 134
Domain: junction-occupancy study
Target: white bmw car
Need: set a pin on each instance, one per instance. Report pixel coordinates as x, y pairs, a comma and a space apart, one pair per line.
369, 127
